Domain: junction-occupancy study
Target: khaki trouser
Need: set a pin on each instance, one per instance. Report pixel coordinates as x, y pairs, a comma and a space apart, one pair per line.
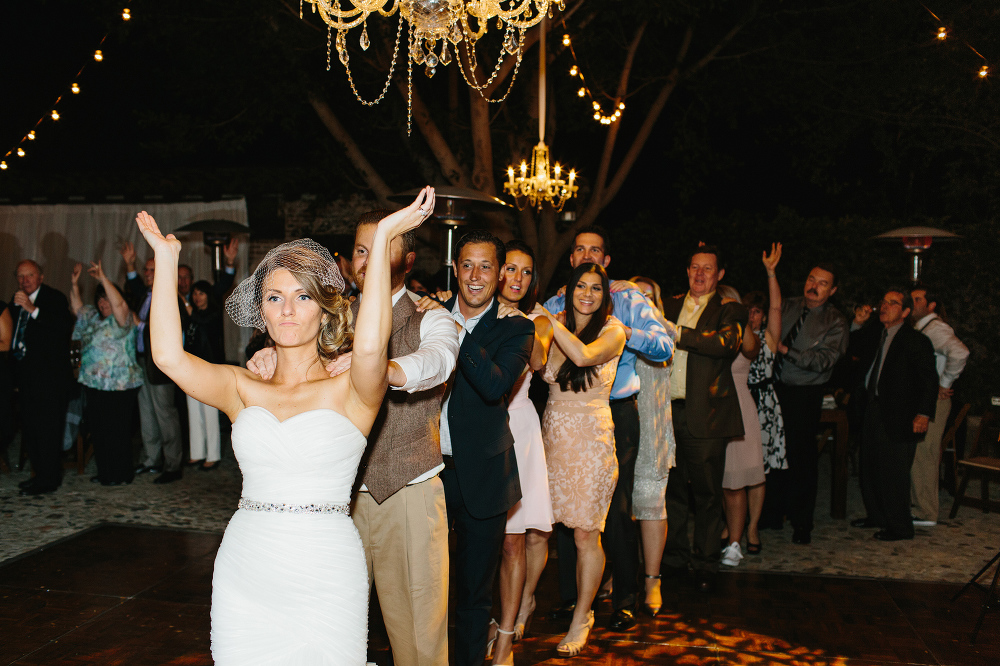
925, 473
406, 548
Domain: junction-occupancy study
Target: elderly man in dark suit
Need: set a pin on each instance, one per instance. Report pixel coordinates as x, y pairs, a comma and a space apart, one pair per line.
706, 414
898, 397
40, 351
480, 476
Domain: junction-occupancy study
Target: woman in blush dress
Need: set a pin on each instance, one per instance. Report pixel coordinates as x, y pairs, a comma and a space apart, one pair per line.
529, 522
290, 583
578, 432
743, 478
655, 457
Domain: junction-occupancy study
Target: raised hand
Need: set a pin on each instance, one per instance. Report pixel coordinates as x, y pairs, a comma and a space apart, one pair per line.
127, 251
771, 261
96, 271
230, 251
156, 240
862, 314
77, 270
412, 216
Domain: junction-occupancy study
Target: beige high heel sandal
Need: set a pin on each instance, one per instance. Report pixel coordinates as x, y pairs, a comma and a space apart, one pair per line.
574, 641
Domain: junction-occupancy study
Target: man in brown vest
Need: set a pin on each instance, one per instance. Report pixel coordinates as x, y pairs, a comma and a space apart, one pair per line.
399, 510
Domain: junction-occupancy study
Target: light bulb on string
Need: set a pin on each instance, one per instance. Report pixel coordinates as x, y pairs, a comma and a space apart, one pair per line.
31, 135
574, 70
98, 56
55, 115
566, 40
942, 33
126, 14
3, 166
75, 88
20, 152
983, 71
581, 92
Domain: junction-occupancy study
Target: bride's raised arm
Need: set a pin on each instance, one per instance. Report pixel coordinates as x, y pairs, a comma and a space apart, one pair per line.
370, 358
211, 384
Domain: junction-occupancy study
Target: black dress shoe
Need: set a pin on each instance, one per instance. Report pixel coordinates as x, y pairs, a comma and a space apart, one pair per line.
865, 522
802, 537
563, 611
36, 489
886, 535
622, 620
26, 484
168, 477
705, 581
142, 469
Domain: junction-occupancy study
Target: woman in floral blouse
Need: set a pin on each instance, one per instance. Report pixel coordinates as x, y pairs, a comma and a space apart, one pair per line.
109, 373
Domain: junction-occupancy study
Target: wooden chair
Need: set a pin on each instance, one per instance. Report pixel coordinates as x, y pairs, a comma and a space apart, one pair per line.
982, 465
949, 454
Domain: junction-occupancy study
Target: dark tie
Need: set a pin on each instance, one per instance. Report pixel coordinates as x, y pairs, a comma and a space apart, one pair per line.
793, 333
19, 350
873, 375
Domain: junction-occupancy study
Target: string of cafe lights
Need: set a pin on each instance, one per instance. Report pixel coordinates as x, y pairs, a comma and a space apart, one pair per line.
944, 32
584, 90
54, 115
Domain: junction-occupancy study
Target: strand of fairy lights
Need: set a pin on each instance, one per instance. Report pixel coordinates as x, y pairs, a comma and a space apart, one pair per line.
584, 90
944, 33
54, 115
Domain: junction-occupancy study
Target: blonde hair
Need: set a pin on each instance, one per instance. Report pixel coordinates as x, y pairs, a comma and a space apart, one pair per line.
657, 298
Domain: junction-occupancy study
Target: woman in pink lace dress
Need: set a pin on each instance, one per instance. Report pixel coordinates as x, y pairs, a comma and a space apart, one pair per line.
578, 432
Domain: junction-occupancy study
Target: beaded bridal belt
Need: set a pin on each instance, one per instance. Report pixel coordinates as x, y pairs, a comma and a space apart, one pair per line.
252, 505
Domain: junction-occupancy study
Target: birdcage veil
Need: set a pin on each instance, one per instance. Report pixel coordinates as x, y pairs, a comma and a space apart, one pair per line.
303, 257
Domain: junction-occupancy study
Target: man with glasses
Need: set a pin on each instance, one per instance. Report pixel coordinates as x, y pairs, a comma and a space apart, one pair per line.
897, 397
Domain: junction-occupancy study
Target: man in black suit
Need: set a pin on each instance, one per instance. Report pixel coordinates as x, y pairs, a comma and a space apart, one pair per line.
706, 414
40, 352
898, 396
480, 476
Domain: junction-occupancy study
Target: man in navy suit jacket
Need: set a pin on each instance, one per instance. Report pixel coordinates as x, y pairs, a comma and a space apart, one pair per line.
480, 476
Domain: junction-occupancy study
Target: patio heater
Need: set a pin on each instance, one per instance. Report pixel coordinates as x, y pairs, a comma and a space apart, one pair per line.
916, 241
217, 234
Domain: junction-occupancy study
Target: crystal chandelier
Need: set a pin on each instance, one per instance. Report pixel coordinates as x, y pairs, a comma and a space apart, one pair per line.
540, 183
436, 28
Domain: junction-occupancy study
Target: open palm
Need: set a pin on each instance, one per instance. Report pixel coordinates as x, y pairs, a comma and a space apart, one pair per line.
156, 240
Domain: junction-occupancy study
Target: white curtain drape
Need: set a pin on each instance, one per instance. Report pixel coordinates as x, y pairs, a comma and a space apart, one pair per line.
60, 235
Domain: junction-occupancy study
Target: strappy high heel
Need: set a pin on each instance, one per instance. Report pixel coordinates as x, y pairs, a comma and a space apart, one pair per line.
491, 641
524, 620
510, 660
575, 640
654, 599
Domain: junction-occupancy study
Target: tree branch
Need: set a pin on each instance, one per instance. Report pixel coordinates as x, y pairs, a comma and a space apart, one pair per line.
450, 166
354, 154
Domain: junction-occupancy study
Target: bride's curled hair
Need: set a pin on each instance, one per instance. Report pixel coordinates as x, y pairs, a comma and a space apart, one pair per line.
314, 269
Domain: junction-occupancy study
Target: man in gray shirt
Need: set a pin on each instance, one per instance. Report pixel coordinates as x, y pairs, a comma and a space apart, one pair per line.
814, 337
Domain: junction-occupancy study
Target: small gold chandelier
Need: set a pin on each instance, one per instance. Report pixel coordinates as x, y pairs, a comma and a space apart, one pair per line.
541, 183
433, 25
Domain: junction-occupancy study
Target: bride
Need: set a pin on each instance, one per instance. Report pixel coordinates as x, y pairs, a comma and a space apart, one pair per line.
290, 584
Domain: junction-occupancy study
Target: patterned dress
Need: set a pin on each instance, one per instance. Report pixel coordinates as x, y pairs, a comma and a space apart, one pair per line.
579, 438
772, 427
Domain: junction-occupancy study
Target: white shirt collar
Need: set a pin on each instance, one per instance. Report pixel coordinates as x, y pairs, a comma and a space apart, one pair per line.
33, 295
926, 319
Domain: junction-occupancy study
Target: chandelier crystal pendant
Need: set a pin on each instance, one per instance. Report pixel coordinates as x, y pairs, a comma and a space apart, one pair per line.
436, 28
542, 182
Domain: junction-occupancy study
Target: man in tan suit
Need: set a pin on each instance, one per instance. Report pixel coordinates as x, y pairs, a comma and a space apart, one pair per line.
399, 509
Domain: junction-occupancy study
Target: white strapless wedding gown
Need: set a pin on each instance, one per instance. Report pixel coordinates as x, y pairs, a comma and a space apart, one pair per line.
292, 588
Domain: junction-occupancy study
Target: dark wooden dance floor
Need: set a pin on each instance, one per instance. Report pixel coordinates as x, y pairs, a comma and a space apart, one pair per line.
121, 594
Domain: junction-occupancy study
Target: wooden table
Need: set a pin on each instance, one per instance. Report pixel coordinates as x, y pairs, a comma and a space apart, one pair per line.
838, 478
